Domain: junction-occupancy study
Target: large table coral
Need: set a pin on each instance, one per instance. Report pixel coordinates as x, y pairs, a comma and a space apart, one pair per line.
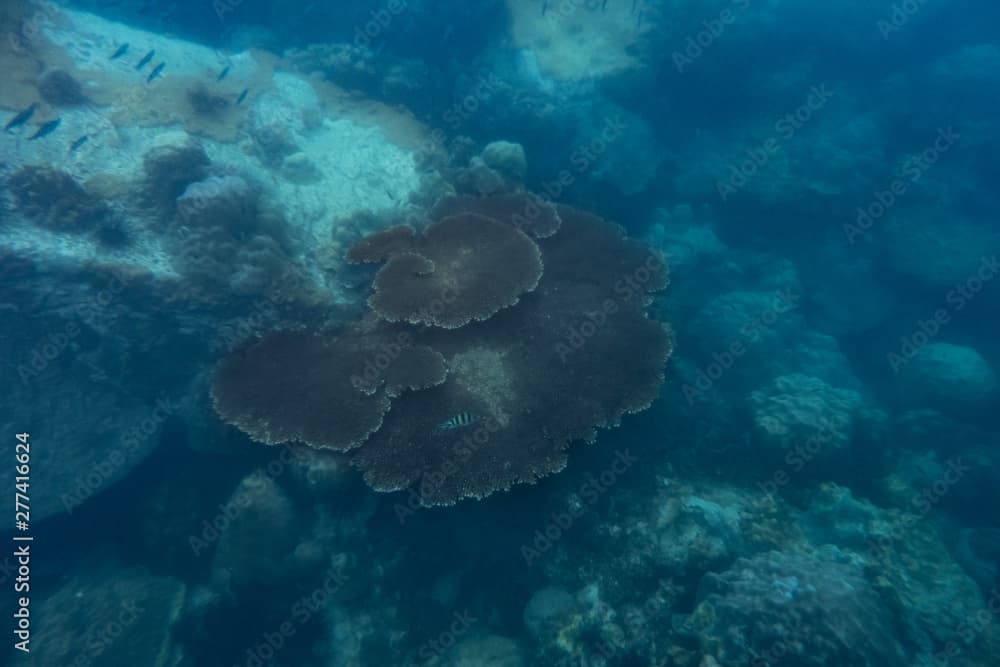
487, 351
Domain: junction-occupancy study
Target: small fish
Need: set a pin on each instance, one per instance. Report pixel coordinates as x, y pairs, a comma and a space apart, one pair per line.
243, 96
156, 72
545, 7
222, 75
122, 50
146, 58
46, 129
21, 118
79, 142
458, 421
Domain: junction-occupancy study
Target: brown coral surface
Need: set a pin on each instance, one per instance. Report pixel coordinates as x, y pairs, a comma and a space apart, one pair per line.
574, 352
464, 267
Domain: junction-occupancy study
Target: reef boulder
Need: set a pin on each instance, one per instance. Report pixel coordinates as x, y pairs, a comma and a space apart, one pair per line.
810, 610
948, 376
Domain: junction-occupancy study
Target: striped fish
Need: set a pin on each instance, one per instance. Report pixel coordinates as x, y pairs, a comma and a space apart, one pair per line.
458, 421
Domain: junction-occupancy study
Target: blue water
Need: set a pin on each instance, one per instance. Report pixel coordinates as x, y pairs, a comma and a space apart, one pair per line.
230, 380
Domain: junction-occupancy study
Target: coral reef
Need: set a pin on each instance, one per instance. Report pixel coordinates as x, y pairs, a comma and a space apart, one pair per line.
259, 542
53, 199
554, 39
937, 246
88, 455
109, 613
548, 608
801, 418
486, 651
500, 167
169, 169
60, 89
949, 377
814, 482
273, 143
507, 158
462, 268
534, 357
251, 393
224, 242
808, 609
528, 212
207, 103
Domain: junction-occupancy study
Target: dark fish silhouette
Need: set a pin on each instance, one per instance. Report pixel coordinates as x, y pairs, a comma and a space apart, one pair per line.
146, 58
122, 50
21, 118
79, 142
155, 73
243, 96
223, 74
46, 129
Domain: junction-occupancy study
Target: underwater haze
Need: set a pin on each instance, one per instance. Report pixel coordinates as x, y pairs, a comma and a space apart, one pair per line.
500, 333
